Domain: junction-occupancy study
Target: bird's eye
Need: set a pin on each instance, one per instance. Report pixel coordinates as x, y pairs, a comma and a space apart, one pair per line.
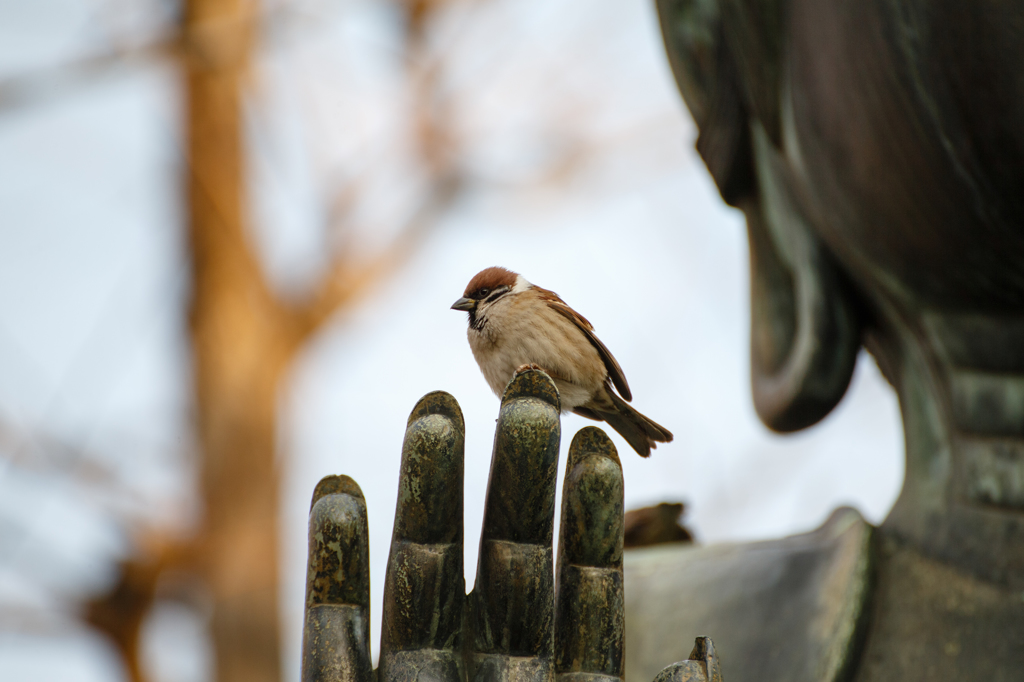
483, 293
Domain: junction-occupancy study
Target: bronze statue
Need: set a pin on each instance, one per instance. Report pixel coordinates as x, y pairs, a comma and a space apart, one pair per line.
518, 623
876, 148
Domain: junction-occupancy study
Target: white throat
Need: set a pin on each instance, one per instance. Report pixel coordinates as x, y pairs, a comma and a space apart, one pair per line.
521, 285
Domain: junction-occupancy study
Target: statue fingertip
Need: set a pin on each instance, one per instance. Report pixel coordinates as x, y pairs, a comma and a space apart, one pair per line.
591, 440
438, 402
592, 511
336, 484
532, 383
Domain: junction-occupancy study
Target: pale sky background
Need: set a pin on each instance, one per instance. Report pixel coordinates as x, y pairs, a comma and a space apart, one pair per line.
93, 285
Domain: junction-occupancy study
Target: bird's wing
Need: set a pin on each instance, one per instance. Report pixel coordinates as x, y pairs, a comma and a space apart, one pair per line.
588, 413
614, 371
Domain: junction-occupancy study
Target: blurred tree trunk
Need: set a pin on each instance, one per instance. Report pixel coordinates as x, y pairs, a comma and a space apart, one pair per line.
244, 339
241, 343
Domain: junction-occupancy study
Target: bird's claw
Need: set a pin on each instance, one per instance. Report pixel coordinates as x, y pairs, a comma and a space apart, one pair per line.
528, 367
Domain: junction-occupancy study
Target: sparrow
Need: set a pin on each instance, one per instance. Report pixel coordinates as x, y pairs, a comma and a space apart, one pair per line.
514, 324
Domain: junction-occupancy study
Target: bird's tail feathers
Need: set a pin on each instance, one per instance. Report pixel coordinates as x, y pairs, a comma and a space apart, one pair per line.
640, 432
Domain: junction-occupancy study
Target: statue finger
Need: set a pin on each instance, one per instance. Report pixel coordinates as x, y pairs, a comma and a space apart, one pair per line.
702, 666
512, 611
590, 612
425, 589
336, 635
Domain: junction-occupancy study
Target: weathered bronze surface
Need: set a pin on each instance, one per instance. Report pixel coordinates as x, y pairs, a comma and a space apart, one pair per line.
778, 610
702, 666
590, 615
335, 640
424, 590
517, 624
917, 598
511, 613
876, 148
655, 525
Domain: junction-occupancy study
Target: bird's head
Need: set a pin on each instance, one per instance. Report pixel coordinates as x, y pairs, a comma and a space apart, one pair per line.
486, 288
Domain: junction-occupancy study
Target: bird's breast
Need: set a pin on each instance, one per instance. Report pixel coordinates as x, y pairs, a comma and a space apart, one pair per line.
529, 332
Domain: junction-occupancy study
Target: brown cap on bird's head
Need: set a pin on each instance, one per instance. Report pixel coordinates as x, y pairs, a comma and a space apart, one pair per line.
491, 278
483, 284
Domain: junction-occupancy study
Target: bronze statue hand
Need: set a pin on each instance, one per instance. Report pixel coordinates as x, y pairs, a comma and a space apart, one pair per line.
516, 624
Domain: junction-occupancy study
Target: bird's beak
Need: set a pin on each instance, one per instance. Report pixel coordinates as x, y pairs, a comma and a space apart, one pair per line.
464, 304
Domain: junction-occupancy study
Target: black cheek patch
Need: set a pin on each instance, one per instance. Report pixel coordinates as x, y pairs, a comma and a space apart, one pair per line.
496, 294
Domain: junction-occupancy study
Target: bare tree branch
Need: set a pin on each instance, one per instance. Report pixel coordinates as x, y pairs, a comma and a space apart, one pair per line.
35, 450
436, 145
37, 621
39, 85
120, 612
348, 280
42, 84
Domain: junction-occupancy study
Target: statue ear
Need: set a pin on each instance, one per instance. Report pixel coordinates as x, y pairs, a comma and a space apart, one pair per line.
805, 328
805, 333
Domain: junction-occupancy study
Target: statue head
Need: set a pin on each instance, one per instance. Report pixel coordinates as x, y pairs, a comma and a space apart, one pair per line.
877, 151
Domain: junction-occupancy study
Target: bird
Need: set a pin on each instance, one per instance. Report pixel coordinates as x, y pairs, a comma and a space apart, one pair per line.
515, 325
